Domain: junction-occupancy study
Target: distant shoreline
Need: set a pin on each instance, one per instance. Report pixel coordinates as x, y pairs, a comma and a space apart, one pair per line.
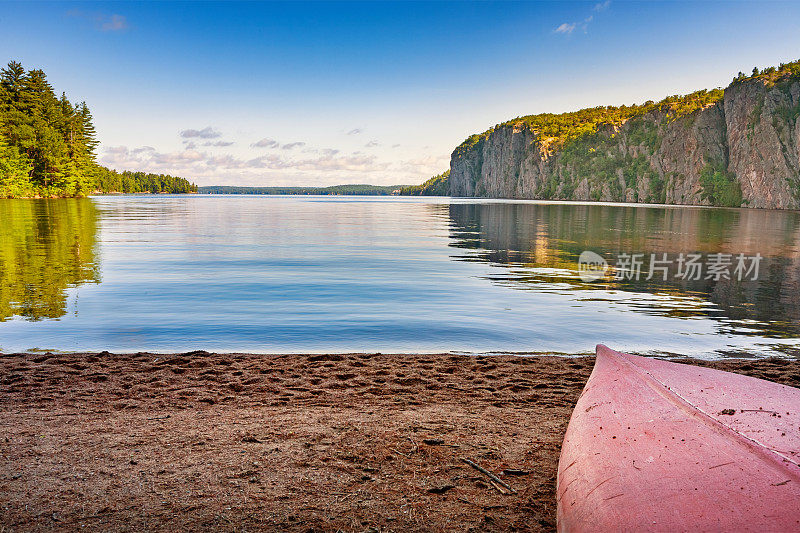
339, 190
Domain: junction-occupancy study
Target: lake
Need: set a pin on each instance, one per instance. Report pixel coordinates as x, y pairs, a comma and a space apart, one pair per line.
302, 274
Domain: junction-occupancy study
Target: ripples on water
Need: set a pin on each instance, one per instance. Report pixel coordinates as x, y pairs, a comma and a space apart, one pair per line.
335, 274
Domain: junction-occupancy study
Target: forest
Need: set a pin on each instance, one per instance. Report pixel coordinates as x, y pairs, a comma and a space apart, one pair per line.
435, 186
47, 145
111, 181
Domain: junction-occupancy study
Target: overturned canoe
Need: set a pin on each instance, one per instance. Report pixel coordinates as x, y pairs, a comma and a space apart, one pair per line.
660, 446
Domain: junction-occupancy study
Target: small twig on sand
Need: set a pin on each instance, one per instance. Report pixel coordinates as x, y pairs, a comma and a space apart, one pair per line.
515, 472
159, 417
414, 443
489, 475
439, 442
500, 489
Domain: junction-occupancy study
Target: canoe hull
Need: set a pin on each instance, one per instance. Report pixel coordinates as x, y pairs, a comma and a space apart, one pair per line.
651, 446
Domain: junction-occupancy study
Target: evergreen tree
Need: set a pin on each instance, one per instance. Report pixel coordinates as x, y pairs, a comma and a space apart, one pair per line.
47, 145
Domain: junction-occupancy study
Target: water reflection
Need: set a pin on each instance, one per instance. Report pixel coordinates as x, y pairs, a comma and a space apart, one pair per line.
424, 275
539, 245
46, 247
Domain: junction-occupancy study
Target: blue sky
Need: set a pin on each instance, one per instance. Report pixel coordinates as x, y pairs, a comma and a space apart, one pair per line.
325, 93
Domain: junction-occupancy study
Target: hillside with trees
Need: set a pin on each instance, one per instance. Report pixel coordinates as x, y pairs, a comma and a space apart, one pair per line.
48, 143
732, 147
435, 186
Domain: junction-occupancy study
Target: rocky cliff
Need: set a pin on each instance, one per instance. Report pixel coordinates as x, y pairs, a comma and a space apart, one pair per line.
737, 147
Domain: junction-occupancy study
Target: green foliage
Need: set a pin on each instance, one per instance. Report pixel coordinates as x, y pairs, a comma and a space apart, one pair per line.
46, 246
472, 142
658, 189
556, 129
607, 168
720, 187
643, 132
772, 75
111, 181
14, 179
436, 186
47, 145
788, 114
341, 190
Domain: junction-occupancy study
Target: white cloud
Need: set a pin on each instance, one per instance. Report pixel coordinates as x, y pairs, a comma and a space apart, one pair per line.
114, 150
101, 21
114, 23
265, 143
203, 158
566, 28
425, 166
602, 6
194, 164
272, 143
206, 133
289, 146
143, 149
219, 143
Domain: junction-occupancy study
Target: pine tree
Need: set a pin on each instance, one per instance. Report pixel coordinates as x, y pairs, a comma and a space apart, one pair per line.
14, 179
47, 144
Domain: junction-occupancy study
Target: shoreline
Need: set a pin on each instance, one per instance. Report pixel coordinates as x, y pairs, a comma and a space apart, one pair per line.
290, 442
787, 352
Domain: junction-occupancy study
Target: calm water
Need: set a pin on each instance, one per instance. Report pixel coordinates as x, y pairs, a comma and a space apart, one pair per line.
337, 274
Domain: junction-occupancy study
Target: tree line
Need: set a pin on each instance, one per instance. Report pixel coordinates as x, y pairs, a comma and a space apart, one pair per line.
435, 186
342, 190
141, 182
47, 145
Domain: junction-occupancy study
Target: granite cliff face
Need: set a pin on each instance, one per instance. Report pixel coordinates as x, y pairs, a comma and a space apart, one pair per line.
763, 138
737, 147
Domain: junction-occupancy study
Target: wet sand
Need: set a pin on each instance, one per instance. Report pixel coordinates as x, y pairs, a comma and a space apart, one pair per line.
360, 442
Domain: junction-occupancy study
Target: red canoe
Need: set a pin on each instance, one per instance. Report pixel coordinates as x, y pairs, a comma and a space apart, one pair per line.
653, 446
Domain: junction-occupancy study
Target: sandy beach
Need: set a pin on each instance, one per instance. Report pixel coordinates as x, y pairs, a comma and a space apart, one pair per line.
357, 442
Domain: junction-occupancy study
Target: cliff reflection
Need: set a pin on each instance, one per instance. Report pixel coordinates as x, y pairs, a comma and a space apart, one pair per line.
46, 247
539, 245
